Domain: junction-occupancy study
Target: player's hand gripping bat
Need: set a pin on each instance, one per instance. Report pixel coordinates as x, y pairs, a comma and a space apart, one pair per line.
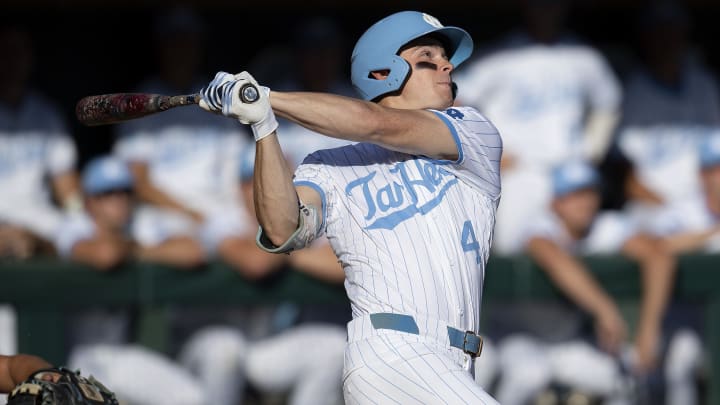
118, 107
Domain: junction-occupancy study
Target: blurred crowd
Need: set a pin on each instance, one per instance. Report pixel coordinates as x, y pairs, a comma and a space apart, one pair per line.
594, 163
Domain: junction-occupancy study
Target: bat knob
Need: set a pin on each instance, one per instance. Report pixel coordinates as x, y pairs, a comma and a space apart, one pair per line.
249, 93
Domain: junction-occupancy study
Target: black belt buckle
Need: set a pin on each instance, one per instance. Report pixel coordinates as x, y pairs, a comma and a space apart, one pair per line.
467, 343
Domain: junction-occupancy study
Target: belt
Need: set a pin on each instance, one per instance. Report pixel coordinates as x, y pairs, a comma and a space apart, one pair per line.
468, 342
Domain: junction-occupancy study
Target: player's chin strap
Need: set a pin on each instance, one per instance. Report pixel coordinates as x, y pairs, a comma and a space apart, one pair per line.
454, 87
309, 224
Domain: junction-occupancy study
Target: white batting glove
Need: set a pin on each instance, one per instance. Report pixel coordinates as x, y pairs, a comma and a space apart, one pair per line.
211, 95
258, 113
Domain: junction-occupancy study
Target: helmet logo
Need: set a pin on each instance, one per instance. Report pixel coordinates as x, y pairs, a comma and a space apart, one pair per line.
432, 20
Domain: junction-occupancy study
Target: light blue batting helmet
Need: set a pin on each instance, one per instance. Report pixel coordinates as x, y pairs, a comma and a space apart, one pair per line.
104, 174
378, 47
573, 176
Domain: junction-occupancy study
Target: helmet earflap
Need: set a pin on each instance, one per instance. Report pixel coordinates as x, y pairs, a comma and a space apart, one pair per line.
377, 50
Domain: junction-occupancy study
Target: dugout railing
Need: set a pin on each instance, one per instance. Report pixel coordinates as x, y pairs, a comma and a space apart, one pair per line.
44, 291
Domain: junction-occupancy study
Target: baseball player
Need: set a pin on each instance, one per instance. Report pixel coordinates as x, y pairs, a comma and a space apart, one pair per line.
574, 227
408, 210
184, 162
30, 150
553, 97
693, 224
231, 347
671, 104
100, 235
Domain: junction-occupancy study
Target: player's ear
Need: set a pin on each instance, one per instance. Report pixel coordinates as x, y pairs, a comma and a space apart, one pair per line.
380, 74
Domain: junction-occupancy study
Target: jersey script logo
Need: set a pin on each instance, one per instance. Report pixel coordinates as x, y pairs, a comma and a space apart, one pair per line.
417, 187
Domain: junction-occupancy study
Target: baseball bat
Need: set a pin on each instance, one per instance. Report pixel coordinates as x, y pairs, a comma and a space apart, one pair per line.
106, 109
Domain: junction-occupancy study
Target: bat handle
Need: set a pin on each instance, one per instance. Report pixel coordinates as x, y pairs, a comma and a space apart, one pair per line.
249, 93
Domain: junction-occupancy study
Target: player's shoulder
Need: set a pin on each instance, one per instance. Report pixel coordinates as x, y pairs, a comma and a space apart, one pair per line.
467, 120
355, 154
462, 113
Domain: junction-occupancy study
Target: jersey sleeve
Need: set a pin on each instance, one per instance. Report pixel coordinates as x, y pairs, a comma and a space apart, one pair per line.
75, 228
479, 149
61, 154
311, 174
602, 87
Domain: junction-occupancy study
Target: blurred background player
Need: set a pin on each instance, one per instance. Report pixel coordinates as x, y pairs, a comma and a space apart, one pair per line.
30, 149
317, 53
671, 103
693, 224
184, 162
309, 342
556, 350
552, 97
100, 235
34, 147
220, 351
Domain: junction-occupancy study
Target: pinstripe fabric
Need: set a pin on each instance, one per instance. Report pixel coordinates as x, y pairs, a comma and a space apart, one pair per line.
412, 233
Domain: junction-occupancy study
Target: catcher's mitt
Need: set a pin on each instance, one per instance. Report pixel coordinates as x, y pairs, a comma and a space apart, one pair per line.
60, 386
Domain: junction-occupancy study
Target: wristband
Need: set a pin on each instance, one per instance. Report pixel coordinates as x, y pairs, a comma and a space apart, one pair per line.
268, 124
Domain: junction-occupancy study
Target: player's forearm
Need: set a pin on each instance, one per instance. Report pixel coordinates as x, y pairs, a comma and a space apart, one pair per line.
102, 253
319, 262
636, 190
274, 195
147, 192
690, 241
598, 133
657, 272
152, 195
580, 287
182, 252
658, 275
571, 278
18, 368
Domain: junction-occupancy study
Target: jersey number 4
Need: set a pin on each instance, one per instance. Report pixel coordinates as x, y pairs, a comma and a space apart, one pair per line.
469, 241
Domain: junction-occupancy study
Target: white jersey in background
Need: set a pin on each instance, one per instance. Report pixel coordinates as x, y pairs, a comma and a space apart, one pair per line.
547, 340
397, 222
34, 144
689, 215
193, 157
539, 96
662, 128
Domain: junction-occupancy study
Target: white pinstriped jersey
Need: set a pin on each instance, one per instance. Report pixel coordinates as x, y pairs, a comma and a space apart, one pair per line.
413, 234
